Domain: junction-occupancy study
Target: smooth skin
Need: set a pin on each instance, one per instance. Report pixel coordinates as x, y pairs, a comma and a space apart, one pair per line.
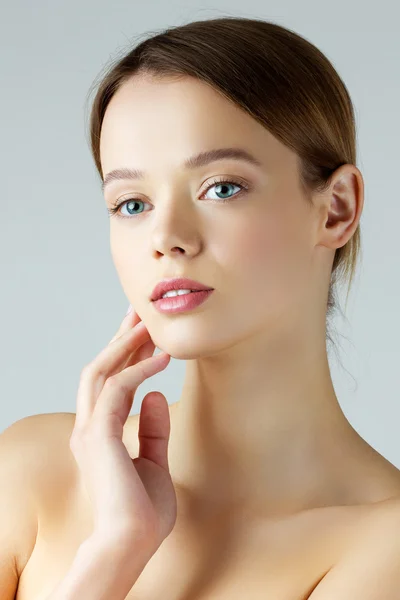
258, 425
132, 499
142, 502
258, 429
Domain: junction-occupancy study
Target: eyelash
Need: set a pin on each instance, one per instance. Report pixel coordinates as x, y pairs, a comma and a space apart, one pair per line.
115, 210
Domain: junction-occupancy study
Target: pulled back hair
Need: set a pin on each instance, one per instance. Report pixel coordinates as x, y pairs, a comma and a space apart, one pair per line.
276, 76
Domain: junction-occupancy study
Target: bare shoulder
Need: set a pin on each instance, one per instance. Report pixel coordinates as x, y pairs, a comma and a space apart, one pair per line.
36, 443
57, 477
28, 458
59, 473
41, 441
369, 568
49, 433
385, 514
46, 438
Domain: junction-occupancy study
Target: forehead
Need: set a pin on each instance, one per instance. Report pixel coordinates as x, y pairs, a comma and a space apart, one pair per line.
160, 121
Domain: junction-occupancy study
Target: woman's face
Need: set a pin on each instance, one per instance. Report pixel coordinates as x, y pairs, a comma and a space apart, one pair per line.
256, 248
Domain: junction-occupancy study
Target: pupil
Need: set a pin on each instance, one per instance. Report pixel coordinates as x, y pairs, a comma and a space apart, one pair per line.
132, 202
222, 186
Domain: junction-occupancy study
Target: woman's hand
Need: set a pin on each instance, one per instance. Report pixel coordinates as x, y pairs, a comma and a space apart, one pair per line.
133, 499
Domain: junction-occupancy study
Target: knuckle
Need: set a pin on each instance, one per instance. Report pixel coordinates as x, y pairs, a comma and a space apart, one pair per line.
141, 369
91, 371
83, 440
114, 383
87, 370
77, 438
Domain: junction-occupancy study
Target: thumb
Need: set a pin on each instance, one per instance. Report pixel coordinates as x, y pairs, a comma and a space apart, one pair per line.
154, 429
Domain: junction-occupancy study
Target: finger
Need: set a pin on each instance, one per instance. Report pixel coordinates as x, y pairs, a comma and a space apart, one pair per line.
130, 320
105, 365
154, 429
144, 351
141, 353
115, 401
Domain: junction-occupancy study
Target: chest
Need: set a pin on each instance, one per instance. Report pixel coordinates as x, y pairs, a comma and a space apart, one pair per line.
281, 560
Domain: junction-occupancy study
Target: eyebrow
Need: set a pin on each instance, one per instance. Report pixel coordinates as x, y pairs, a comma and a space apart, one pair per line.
198, 160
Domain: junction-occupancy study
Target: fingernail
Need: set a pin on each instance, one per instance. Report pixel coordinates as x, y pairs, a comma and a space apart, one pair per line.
129, 309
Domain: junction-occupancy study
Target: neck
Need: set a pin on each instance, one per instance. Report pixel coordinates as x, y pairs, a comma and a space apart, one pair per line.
259, 426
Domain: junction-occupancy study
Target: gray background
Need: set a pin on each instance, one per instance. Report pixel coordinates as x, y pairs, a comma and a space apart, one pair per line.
61, 300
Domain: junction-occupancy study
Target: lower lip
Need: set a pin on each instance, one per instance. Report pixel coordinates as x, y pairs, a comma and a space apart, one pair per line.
177, 304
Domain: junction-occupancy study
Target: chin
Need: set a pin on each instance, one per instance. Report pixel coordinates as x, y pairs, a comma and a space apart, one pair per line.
181, 353
187, 349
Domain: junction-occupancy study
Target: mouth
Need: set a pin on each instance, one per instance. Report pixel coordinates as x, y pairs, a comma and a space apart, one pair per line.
182, 302
181, 285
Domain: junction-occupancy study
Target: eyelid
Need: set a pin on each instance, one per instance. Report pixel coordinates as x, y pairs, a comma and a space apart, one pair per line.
213, 180
234, 179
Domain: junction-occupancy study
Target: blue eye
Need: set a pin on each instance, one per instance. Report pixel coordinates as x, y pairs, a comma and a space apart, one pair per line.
218, 183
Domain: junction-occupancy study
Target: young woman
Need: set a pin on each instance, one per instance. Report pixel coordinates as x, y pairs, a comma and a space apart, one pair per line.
227, 154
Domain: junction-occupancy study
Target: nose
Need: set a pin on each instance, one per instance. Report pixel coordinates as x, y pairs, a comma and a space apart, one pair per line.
175, 230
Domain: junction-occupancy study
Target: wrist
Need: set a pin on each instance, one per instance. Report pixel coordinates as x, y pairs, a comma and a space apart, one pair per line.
122, 544
103, 568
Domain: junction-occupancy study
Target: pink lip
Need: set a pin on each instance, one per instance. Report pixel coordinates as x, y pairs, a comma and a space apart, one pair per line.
180, 283
178, 304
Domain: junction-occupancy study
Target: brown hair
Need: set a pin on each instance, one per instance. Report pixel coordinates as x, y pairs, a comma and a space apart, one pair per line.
275, 75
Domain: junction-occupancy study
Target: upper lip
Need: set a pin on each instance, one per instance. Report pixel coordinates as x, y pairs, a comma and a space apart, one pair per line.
180, 283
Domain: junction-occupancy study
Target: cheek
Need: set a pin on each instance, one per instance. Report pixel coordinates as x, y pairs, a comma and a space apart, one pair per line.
270, 261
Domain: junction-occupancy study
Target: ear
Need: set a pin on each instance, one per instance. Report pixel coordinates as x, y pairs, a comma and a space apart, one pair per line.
342, 205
